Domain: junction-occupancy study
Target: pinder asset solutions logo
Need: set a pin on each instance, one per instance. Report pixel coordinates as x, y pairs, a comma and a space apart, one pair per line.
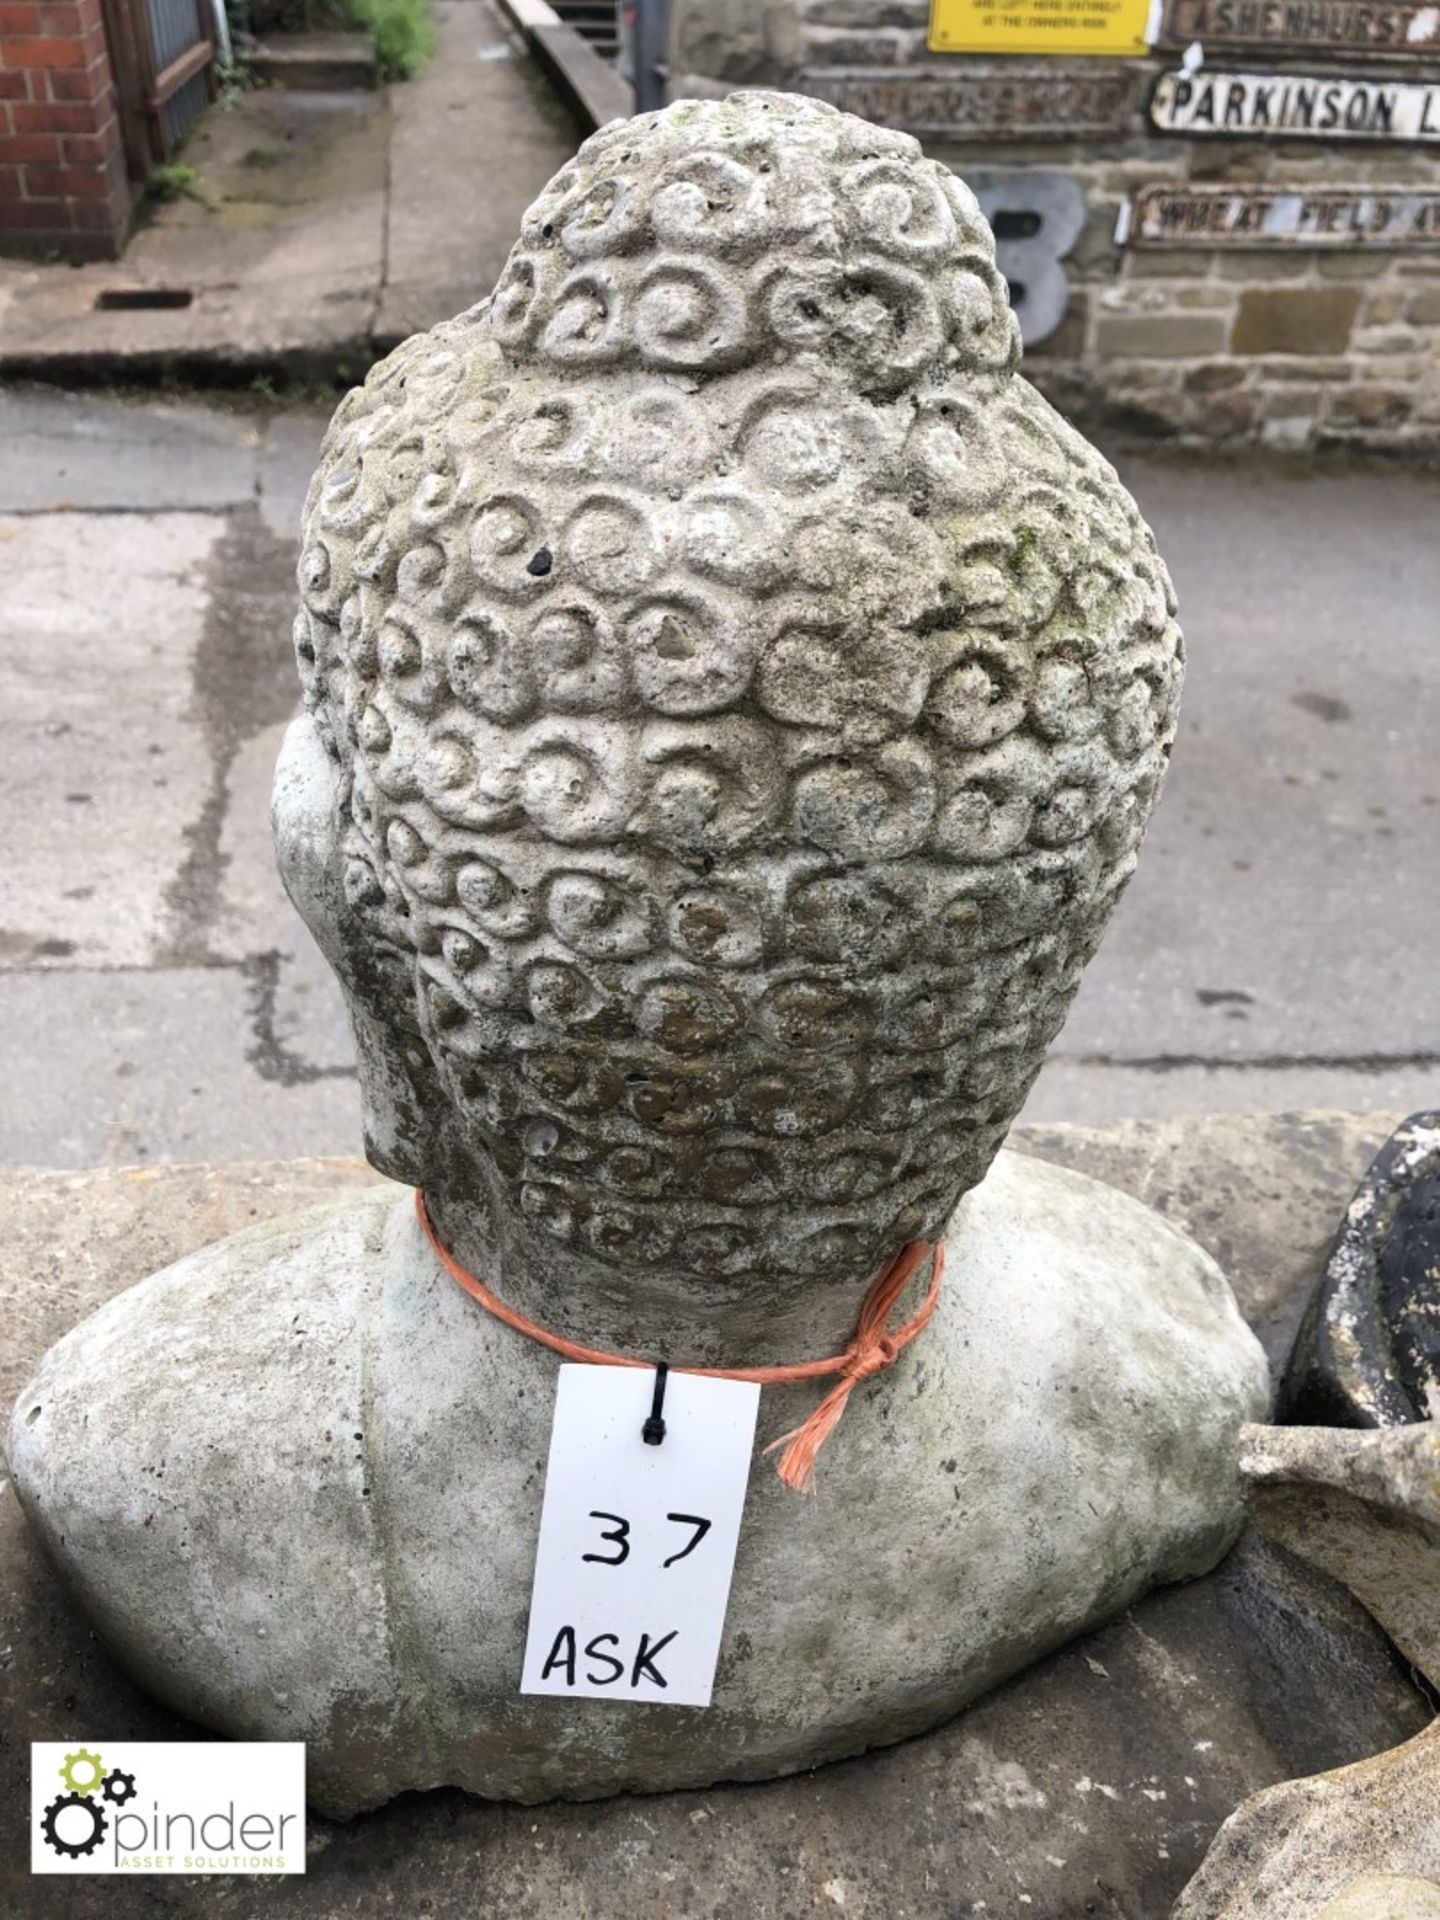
167, 1807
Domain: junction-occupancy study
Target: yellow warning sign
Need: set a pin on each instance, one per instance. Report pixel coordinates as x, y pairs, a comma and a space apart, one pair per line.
1040, 26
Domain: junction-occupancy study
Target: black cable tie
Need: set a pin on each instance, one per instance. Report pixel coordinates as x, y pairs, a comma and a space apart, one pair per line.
653, 1431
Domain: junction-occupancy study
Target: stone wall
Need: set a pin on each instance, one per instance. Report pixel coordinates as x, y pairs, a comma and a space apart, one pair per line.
63, 184
1289, 347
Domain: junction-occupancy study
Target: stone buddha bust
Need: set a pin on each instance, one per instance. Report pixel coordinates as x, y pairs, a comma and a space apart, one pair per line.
734, 699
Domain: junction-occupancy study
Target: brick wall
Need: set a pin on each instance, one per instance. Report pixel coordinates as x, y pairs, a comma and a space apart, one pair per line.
1292, 348
63, 184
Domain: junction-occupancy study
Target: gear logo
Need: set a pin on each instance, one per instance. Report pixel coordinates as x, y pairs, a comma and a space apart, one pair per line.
118, 1787
76, 1821
107, 1804
85, 1763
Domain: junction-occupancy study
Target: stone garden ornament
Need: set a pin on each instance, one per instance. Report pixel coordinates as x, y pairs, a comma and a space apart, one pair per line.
1354, 1488
734, 699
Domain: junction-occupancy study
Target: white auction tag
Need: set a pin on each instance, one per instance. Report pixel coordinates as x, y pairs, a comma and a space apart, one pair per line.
637, 1542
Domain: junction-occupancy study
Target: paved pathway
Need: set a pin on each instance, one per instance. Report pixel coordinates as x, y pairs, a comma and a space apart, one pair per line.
322, 226
159, 1000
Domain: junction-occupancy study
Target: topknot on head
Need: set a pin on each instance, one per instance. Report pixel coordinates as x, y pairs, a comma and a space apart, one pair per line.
765, 227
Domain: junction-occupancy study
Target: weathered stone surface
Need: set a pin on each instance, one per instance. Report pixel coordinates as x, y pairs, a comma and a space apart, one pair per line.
1384, 1896
735, 703
981, 103
1303, 320
1064, 1437
1292, 1852
843, 48
868, 13
1370, 407
1090, 1785
1271, 1226
704, 921
1365, 1508
738, 42
1368, 1353
1160, 336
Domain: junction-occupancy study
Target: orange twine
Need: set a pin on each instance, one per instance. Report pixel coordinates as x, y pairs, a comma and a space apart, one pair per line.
873, 1349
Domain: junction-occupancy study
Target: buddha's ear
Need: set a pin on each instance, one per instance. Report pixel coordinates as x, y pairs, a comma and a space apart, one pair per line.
304, 819
402, 1100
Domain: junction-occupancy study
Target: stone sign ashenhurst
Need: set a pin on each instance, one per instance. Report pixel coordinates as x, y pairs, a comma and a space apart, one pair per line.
1281, 27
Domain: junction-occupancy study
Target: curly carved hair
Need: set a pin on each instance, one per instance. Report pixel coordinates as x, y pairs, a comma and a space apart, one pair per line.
749, 694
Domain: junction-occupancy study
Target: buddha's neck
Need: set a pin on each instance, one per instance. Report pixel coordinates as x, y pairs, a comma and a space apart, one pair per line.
666, 1313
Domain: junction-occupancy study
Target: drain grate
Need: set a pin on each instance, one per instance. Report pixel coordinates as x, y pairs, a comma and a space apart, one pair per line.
132, 299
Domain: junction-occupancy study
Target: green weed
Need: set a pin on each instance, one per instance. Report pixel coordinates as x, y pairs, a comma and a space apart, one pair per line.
402, 32
174, 182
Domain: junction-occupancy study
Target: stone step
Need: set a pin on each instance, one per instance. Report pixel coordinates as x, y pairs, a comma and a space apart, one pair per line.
315, 62
593, 20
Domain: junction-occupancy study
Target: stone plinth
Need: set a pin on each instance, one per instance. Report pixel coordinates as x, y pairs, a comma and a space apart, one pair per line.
1098, 1776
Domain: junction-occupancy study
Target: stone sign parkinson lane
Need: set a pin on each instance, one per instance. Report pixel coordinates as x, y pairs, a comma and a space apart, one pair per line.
1308, 216
1307, 26
1296, 106
1010, 101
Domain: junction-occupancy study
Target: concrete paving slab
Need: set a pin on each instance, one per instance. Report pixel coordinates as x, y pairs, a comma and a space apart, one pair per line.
100, 623
326, 227
1106, 1091
244, 684
129, 1066
289, 452
252, 913
122, 455
481, 115
302, 1017
309, 1030
283, 254
1274, 950
1287, 903
235, 327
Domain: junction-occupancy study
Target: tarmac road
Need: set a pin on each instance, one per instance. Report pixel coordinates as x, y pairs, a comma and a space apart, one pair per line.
160, 1001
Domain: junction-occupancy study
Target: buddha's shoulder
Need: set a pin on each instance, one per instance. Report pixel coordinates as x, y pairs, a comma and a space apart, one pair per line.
284, 1299
196, 1459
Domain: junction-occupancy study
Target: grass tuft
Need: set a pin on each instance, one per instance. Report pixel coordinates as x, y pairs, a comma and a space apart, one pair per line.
174, 182
403, 34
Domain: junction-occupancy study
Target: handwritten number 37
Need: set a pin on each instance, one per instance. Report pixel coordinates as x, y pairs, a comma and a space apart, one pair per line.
619, 1536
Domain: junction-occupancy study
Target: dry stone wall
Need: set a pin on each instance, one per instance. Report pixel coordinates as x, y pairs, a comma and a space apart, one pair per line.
1283, 344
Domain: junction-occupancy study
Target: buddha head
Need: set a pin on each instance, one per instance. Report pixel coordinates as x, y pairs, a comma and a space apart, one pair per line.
734, 701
